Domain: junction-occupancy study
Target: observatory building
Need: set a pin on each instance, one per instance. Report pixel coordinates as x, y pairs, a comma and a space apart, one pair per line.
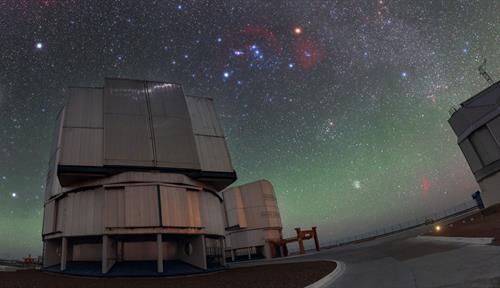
253, 221
477, 125
135, 174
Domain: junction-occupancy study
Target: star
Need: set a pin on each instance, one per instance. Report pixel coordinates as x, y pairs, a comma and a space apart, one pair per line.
297, 30
356, 184
39, 45
13, 195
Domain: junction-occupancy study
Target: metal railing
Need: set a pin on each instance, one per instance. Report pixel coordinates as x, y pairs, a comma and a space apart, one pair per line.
407, 225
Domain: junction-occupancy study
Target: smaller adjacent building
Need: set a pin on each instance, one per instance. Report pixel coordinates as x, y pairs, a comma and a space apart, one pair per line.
253, 221
477, 126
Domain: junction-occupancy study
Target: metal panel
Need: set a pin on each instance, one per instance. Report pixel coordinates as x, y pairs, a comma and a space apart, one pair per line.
114, 207
49, 218
127, 136
84, 213
167, 100
61, 214
212, 214
175, 146
234, 208
81, 146
494, 126
203, 116
173, 132
213, 154
52, 185
256, 201
485, 145
141, 206
180, 208
124, 97
84, 108
127, 140
471, 155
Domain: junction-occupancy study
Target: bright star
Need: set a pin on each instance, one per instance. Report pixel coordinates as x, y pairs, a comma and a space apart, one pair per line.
13, 194
404, 74
39, 45
179, 7
219, 39
226, 74
290, 65
356, 184
297, 30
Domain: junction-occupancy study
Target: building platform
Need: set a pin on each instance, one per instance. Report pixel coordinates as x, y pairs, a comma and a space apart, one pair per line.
131, 269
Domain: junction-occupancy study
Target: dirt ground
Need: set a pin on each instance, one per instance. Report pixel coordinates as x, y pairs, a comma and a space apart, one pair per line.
278, 275
482, 224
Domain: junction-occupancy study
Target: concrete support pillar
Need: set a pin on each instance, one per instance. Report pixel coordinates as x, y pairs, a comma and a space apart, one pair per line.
249, 253
316, 240
223, 252
233, 257
159, 244
104, 264
64, 253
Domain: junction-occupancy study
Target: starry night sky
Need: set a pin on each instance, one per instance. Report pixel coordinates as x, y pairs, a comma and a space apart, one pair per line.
343, 105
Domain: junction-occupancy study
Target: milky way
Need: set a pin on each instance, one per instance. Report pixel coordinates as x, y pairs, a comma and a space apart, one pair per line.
343, 105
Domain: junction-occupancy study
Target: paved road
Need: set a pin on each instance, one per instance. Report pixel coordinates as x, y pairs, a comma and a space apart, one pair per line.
405, 261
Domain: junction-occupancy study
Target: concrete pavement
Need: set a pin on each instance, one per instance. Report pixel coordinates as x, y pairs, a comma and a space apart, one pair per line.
403, 260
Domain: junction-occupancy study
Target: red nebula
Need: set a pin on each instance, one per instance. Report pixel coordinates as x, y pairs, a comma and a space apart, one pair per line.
254, 33
307, 53
425, 185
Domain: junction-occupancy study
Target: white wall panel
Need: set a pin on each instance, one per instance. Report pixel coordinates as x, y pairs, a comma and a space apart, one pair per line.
124, 97
61, 214
84, 213
173, 132
167, 100
180, 208
84, 108
49, 217
127, 140
141, 206
470, 155
198, 256
485, 145
82, 146
127, 136
213, 154
203, 116
175, 145
212, 214
114, 207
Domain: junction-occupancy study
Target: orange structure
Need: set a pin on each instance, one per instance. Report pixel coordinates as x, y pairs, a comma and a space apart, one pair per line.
280, 246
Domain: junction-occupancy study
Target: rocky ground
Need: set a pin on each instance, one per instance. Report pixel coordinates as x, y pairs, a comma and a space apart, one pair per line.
289, 275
